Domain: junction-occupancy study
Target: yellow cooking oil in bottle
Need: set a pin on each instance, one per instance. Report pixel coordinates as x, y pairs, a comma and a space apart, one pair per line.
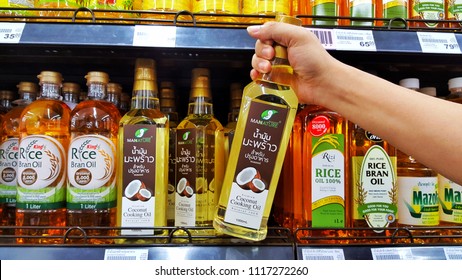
142, 174
450, 193
9, 153
168, 107
233, 114
199, 158
43, 143
92, 163
166, 10
326, 12
374, 193
259, 11
221, 11
263, 130
55, 10
418, 205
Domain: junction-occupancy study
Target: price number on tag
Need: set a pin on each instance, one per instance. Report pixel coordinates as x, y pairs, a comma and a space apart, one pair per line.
11, 36
367, 44
11, 32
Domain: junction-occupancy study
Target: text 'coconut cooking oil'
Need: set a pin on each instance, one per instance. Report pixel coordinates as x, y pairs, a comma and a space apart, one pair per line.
262, 133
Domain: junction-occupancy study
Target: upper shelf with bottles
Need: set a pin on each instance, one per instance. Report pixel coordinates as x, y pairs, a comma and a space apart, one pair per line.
223, 32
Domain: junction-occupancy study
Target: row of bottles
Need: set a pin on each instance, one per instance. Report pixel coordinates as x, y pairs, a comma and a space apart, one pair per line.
428, 13
338, 175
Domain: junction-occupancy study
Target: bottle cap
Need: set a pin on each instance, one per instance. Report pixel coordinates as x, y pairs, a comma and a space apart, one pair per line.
411, 83
428, 91
196, 72
27, 87
97, 77
166, 90
72, 88
455, 83
280, 17
145, 69
114, 88
200, 87
50, 77
6, 95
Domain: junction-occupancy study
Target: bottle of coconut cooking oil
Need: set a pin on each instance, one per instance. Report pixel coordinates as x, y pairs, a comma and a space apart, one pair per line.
200, 161
143, 162
257, 153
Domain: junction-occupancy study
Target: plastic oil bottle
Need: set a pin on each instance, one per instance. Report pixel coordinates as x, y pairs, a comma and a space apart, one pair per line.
166, 9
454, 13
257, 154
362, 9
200, 158
450, 193
374, 185
331, 9
9, 153
394, 9
168, 107
267, 8
71, 93
142, 176
432, 10
216, 10
114, 92
418, 204
43, 144
91, 166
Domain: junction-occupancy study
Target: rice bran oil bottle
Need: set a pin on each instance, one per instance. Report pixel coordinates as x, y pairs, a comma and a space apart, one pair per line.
168, 107
71, 93
92, 162
257, 154
325, 181
374, 192
43, 144
114, 93
422, 10
142, 175
418, 205
200, 159
9, 153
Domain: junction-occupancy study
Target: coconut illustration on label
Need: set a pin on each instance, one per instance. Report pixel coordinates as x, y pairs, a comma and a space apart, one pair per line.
250, 179
136, 190
184, 188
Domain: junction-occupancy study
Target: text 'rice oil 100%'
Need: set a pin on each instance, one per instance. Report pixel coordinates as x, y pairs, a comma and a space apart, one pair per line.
257, 154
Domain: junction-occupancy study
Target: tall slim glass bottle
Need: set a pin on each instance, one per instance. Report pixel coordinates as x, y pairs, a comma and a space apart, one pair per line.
200, 159
9, 153
168, 107
142, 178
43, 144
257, 154
91, 166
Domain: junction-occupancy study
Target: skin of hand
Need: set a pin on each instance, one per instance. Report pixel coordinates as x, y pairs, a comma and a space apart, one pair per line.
425, 127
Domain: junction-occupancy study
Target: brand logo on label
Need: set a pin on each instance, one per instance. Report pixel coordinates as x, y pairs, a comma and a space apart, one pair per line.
139, 137
319, 126
140, 132
186, 135
372, 137
267, 114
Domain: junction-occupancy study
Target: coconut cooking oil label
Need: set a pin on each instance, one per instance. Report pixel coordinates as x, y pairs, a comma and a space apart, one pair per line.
8, 170
375, 187
91, 173
186, 188
255, 166
41, 173
418, 201
139, 184
450, 197
328, 175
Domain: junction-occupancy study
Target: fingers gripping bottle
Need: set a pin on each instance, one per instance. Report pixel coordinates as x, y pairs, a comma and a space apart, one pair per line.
262, 133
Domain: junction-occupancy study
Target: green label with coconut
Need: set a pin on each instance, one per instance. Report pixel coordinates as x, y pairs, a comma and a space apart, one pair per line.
40, 174
256, 163
418, 203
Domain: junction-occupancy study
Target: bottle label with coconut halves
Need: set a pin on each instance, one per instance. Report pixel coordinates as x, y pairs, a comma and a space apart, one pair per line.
40, 174
91, 173
255, 166
139, 179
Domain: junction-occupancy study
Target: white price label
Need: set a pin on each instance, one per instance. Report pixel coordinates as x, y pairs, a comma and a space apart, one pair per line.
325, 37
354, 40
322, 254
126, 254
11, 32
392, 254
438, 42
453, 253
154, 36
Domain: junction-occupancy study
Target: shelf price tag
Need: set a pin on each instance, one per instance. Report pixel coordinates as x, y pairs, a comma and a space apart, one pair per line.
354, 40
438, 42
325, 36
392, 254
10, 32
453, 253
154, 36
322, 254
126, 254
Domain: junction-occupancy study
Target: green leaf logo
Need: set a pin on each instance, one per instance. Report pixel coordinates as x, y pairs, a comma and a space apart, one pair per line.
267, 114
186, 134
140, 132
